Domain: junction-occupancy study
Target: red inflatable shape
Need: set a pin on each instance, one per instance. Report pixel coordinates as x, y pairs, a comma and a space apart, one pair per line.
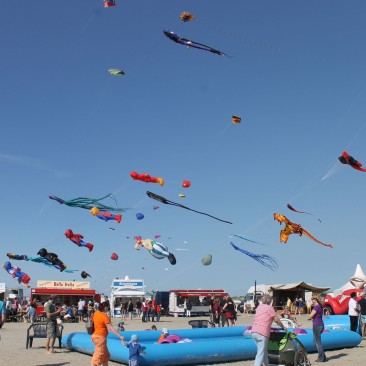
186, 184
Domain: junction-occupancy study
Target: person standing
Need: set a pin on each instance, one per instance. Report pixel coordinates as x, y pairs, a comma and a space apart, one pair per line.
144, 310
2, 313
51, 323
81, 305
353, 312
229, 311
362, 307
102, 325
130, 308
316, 316
138, 308
289, 303
189, 307
265, 315
223, 313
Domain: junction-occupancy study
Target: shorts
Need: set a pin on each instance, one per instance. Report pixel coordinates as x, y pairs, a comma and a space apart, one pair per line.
80, 312
51, 329
363, 319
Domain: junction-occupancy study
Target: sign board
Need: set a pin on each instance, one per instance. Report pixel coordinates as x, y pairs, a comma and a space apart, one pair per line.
133, 284
75, 285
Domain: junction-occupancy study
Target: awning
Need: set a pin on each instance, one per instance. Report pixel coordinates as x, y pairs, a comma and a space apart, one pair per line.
299, 286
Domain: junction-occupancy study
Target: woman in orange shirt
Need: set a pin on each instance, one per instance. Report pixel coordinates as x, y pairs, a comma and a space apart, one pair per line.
102, 325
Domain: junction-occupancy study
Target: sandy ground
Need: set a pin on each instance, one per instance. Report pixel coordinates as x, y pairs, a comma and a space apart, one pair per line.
13, 342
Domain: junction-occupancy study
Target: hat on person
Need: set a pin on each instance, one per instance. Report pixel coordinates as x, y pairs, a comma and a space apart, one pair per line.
134, 337
165, 330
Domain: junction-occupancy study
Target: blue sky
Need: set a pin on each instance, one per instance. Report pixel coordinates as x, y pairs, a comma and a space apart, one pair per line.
295, 75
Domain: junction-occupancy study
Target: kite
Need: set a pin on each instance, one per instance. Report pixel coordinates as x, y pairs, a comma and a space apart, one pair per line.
186, 17
155, 207
156, 249
84, 274
157, 236
186, 184
88, 203
292, 228
235, 119
247, 239
181, 195
144, 177
23, 257
106, 216
116, 72
347, 159
264, 259
139, 216
167, 202
52, 258
186, 42
114, 256
78, 239
16, 272
109, 3
302, 212
206, 261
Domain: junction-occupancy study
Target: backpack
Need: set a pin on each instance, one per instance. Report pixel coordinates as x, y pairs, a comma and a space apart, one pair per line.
90, 325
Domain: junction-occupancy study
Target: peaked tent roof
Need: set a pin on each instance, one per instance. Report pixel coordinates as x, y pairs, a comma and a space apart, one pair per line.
299, 286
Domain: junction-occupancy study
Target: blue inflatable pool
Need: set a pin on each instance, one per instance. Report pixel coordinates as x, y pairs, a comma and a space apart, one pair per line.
202, 345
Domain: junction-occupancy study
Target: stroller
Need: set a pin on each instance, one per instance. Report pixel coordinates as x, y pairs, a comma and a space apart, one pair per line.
286, 349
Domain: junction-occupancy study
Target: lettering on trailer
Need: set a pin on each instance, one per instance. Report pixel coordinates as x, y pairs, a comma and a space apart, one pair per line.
63, 284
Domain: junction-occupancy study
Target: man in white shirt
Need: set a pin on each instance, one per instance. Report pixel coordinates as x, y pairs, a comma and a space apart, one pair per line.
353, 312
81, 305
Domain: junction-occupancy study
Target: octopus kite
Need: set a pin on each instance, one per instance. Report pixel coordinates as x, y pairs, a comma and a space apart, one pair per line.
191, 44
144, 177
16, 272
78, 239
156, 249
264, 259
292, 228
167, 202
88, 203
106, 216
347, 159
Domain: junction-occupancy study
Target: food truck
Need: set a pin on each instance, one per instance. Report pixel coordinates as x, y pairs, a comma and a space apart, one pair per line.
125, 289
67, 292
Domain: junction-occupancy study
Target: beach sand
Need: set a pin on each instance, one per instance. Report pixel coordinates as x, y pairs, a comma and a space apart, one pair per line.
13, 342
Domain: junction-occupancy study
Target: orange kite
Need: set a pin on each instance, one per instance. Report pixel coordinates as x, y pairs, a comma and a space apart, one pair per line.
292, 228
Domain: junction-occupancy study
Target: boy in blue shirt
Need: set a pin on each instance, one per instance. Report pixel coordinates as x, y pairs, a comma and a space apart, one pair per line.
135, 350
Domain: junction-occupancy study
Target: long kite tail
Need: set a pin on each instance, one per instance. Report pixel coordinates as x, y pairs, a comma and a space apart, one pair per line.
168, 202
315, 239
264, 259
302, 212
247, 239
88, 203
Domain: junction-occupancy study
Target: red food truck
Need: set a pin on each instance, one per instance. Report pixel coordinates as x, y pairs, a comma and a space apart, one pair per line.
66, 292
